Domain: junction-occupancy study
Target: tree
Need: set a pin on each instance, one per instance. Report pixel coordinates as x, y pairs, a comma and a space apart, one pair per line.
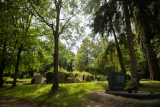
144, 18
53, 20
8, 32
107, 20
130, 41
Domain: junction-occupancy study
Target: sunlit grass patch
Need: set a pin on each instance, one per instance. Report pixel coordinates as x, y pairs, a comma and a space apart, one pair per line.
67, 94
150, 86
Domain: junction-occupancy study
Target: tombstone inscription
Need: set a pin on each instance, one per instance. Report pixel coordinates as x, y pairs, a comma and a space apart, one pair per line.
117, 81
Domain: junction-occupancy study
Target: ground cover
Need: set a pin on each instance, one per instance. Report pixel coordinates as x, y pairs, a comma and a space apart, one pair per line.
67, 95
150, 86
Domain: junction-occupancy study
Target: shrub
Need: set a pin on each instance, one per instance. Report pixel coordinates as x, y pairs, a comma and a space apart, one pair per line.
77, 79
98, 78
49, 77
144, 79
92, 78
128, 77
66, 76
88, 79
83, 81
32, 81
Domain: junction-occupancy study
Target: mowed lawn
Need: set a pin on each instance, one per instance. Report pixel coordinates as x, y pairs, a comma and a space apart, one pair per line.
67, 94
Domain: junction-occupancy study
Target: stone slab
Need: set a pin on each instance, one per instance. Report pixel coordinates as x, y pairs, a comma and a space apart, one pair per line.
116, 81
139, 95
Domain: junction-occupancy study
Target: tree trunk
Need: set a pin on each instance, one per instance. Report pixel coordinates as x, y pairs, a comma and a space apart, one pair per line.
56, 39
55, 79
17, 65
119, 54
2, 66
154, 74
1, 76
130, 42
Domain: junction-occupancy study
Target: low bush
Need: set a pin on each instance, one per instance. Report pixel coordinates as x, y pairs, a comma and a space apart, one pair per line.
77, 79
98, 78
49, 77
66, 76
32, 81
128, 77
144, 79
88, 79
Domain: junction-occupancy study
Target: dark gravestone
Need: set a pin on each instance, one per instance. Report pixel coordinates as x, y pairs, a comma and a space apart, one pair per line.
117, 81
95, 76
92, 78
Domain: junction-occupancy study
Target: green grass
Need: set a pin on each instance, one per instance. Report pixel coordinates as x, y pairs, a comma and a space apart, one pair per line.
67, 94
150, 86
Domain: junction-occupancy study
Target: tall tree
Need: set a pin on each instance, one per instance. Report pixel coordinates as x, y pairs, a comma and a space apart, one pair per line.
146, 19
130, 41
107, 20
8, 32
68, 9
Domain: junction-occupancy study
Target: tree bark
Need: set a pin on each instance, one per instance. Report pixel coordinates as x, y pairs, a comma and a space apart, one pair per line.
56, 39
2, 66
17, 65
154, 74
130, 42
119, 54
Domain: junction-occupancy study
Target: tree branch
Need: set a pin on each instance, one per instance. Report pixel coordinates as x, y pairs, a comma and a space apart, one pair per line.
69, 20
41, 18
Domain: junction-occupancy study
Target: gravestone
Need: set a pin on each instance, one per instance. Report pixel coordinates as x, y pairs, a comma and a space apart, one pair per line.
80, 76
91, 77
39, 79
117, 81
61, 77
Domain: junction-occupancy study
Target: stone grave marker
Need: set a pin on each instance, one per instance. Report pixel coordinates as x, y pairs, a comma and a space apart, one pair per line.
39, 79
80, 76
61, 77
92, 78
117, 81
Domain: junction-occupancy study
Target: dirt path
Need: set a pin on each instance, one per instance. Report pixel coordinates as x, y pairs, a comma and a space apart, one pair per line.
95, 99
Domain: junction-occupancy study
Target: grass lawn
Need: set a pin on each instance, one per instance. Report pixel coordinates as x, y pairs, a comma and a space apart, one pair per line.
67, 94
150, 86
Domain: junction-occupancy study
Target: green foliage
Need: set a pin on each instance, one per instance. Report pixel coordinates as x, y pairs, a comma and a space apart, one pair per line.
83, 81
77, 79
66, 76
98, 78
49, 76
32, 81
88, 79
144, 79
128, 77
132, 83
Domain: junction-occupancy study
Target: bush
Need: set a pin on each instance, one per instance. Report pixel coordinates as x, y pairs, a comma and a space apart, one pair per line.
128, 77
32, 81
49, 77
83, 81
98, 78
77, 79
66, 76
92, 78
144, 79
88, 79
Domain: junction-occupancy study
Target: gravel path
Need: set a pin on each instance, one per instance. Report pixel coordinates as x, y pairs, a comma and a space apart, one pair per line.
95, 99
